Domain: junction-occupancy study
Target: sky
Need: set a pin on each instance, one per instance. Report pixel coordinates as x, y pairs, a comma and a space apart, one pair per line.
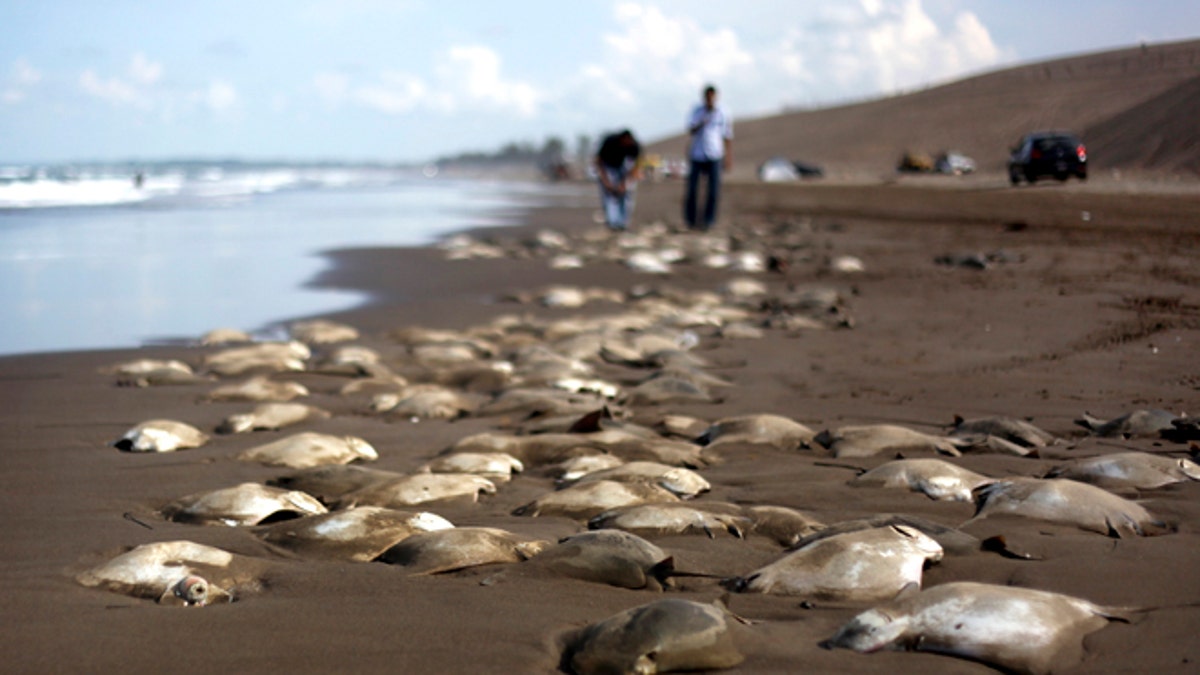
412, 80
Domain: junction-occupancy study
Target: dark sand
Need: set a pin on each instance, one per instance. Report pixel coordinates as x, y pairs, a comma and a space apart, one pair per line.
1101, 315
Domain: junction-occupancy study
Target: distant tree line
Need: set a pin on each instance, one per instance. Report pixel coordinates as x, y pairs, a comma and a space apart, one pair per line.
552, 152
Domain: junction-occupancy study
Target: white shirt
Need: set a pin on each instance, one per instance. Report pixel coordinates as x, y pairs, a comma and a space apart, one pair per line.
708, 144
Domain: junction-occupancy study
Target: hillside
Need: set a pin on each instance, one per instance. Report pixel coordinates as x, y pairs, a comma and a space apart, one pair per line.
1135, 109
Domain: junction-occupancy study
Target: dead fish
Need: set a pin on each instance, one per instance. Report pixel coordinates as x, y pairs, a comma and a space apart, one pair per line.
1069, 502
1017, 629
271, 416
309, 449
420, 488
875, 439
587, 500
1139, 470
610, 557
459, 548
244, 504
173, 573
661, 637
935, 478
774, 430
160, 436
1139, 423
359, 534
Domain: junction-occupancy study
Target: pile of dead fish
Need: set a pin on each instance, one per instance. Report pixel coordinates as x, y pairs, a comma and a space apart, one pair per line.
564, 394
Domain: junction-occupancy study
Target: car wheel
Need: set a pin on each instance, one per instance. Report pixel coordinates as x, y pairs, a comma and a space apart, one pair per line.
1061, 177
1014, 177
1082, 175
1030, 177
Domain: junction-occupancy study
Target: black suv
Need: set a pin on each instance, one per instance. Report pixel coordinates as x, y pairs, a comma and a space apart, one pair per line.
1047, 153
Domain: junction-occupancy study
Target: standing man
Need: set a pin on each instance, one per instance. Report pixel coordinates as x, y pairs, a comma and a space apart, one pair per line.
711, 151
617, 169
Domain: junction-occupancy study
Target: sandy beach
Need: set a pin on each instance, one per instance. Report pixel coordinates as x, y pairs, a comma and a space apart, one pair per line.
1089, 302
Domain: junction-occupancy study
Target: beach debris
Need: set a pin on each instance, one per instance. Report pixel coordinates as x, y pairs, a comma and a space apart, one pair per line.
308, 449
935, 478
181, 573
1137, 470
875, 439
358, 534
271, 416
258, 388
847, 264
1141, 423
774, 430
441, 551
1016, 629
661, 637
244, 504
160, 435
864, 565
1068, 502
419, 488
586, 500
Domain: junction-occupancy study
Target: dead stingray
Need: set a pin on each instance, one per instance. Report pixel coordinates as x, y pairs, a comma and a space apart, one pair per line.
244, 504
359, 534
330, 481
876, 439
160, 436
589, 499
774, 430
864, 565
935, 478
608, 557
309, 449
459, 548
174, 573
1139, 423
683, 482
661, 637
271, 416
1138, 470
1069, 502
420, 488
1016, 629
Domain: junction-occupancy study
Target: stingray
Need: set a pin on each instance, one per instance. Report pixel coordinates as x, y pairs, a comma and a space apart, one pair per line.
495, 466
876, 439
331, 481
610, 557
174, 573
571, 470
660, 519
160, 436
154, 372
541, 449
1139, 423
684, 483
244, 504
936, 478
309, 449
783, 525
425, 401
459, 548
861, 566
667, 389
225, 336
590, 499
321, 332
264, 356
661, 637
1138, 470
258, 388
1064, 501
360, 534
420, 488
271, 416
774, 430
951, 540
1009, 428
1016, 629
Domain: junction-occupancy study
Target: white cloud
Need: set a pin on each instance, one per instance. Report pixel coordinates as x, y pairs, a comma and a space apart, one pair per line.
114, 89
468, 78
24, 77
144, 71
220, 96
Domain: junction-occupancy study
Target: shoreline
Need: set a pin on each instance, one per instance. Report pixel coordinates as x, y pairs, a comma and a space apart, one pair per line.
1095, 318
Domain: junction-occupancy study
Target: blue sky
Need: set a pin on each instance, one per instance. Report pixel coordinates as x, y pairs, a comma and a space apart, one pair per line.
408, 80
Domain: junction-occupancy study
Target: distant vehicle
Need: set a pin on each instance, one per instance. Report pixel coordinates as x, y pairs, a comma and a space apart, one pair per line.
782, 169
1047, 153
955, 163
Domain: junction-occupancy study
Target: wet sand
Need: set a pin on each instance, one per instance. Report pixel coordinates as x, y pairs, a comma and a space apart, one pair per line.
1099, 314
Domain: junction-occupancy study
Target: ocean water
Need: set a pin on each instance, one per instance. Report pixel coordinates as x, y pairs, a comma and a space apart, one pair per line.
89, 259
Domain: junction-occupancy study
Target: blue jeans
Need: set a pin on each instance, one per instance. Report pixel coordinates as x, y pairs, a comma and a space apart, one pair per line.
617, 208
712, 168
